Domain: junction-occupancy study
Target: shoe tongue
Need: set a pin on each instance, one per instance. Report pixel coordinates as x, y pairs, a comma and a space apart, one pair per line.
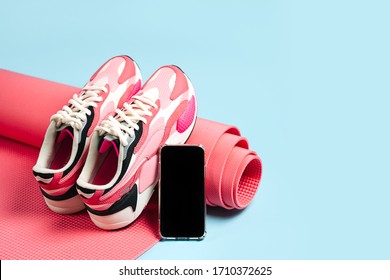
107, 142
63, 132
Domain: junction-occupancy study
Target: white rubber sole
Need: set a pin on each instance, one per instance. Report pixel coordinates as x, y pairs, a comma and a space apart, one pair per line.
68, 206
126, 216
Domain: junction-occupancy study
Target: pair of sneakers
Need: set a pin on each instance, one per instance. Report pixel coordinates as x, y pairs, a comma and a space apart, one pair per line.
100, 151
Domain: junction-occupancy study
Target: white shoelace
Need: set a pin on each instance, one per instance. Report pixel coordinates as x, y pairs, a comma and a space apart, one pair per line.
125, 121
77, 110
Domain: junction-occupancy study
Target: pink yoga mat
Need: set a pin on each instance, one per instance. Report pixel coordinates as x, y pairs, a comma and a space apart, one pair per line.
29, 230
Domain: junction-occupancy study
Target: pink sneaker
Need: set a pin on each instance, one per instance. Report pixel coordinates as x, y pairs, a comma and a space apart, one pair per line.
66, 142
121, 170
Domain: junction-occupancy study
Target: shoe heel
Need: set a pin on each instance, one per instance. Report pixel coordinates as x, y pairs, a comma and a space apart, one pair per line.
67, 206
124, 217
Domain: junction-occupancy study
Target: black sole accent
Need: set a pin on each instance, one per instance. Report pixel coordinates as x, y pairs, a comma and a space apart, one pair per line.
128, 199
43, 175
72, 192
84, 190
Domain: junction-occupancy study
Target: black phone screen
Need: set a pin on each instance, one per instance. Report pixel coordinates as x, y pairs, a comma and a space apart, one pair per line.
182, 194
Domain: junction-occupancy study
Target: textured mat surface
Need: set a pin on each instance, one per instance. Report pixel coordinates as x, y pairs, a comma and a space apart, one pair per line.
29, 230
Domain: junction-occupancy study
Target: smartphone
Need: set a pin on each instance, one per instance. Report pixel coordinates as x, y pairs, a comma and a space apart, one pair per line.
182, 208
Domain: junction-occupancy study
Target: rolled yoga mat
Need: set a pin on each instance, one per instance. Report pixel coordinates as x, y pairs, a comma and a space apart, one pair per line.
29, 230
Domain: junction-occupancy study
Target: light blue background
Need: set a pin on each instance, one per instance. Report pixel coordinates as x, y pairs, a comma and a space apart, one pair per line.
307, 82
